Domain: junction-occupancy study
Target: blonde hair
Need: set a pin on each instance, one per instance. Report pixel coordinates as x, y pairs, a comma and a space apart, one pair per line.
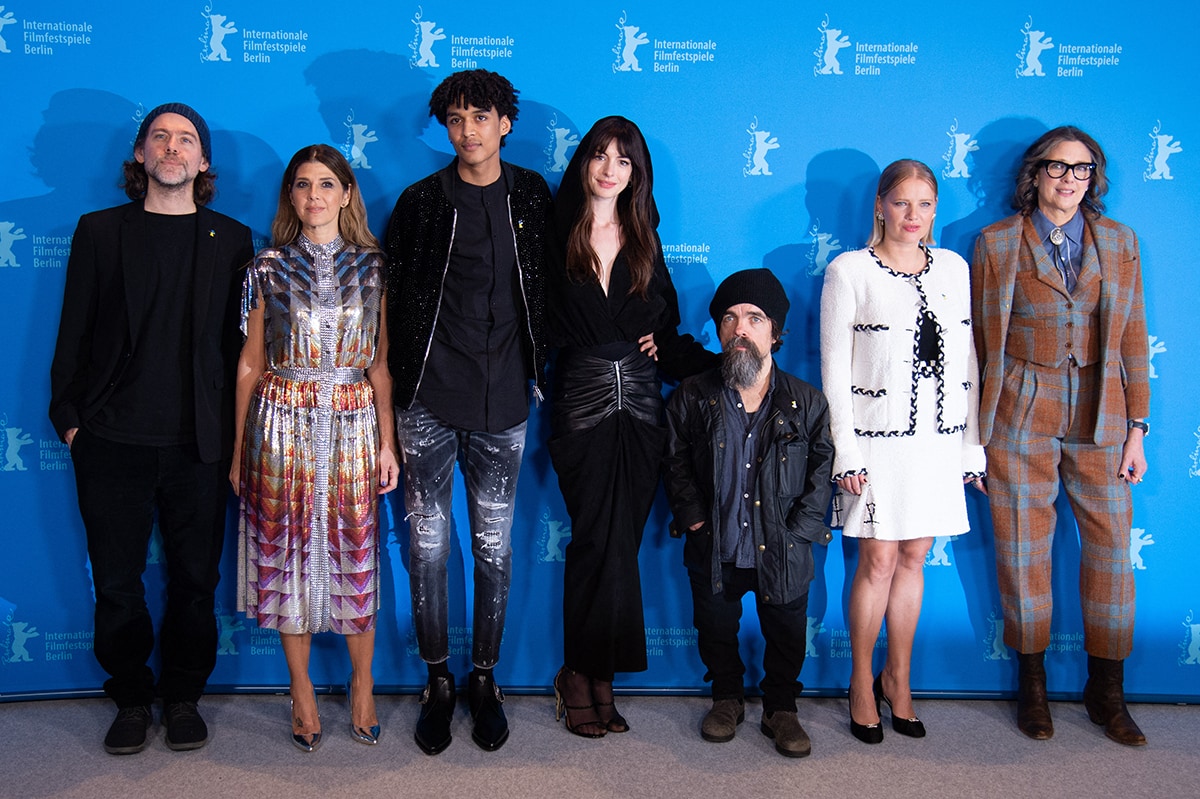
893, 175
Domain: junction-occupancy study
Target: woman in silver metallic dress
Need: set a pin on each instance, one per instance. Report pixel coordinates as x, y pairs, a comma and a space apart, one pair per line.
315, 435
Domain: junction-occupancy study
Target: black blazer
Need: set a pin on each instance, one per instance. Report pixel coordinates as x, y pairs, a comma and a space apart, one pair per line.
102, 312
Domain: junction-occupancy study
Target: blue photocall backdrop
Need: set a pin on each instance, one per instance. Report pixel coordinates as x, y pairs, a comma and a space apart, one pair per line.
768, 131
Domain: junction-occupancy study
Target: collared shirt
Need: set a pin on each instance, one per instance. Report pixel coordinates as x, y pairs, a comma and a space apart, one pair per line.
1068, 256
737, 469
475, 376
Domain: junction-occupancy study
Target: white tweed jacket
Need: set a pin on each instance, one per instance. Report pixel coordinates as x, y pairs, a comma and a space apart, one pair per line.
869, 321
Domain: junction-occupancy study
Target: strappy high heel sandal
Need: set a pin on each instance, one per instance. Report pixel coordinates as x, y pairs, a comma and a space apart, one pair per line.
563, 711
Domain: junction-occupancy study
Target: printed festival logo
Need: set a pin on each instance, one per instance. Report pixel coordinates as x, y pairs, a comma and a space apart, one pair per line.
1189, 648
832, 42
14, 438
1029, 57
556, 150
937, 555
1194, 467
993, 642
9, 233
553, 539
212, 40
227, 625
1156, 347
761, 143
961, 145
357, 138
823, 249
6, 18
1138, 539
1162, 147
629, 39
14, 635
812, 628
421, 46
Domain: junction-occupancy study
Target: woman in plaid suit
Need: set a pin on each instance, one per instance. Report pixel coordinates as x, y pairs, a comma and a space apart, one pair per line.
1061, 336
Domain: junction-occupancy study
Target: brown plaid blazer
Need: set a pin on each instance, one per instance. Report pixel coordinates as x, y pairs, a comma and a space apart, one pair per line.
1011, 245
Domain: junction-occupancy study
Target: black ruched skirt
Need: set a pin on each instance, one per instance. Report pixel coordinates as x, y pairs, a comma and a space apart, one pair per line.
607, 447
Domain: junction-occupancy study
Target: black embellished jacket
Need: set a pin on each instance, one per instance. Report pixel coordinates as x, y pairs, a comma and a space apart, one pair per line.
418, 241
790, 496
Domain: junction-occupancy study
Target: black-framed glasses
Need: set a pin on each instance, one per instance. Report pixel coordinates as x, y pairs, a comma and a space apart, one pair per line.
1056, 169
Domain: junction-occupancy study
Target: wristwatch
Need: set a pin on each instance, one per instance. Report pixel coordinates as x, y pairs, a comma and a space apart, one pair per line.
1143, 426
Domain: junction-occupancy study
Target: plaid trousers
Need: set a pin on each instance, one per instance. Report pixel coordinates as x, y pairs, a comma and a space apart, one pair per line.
1042, 438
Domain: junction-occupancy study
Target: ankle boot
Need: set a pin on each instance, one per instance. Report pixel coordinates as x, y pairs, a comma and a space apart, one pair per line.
1033, 710
1104, 698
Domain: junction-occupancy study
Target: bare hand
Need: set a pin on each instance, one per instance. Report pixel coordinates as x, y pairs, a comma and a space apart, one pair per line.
976, 483
235, 476
648, 346
853, 483
69, 436
1133, 458
389, 471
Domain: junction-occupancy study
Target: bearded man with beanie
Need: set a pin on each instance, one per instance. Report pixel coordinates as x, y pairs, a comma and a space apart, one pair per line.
747, 475
141, 391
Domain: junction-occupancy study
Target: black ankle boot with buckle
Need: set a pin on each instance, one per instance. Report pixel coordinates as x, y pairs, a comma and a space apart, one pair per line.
437, 711
486, 702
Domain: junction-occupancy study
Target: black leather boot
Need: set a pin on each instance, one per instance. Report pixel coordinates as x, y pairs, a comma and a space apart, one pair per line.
1033, 709
485, 700
437, 711
1104, 698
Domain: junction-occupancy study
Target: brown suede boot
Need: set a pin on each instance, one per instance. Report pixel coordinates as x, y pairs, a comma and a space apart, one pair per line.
1033, 710
1104, 698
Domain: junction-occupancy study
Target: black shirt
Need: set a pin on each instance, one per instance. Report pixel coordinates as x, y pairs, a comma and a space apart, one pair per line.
476, 376
153, 403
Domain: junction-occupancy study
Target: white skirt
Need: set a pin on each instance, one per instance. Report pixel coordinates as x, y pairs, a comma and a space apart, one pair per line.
914, 483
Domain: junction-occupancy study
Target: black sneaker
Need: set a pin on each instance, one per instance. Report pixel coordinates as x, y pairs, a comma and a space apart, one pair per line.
185, 728
127, 734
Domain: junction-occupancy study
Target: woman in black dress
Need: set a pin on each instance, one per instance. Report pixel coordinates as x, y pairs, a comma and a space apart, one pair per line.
613, 314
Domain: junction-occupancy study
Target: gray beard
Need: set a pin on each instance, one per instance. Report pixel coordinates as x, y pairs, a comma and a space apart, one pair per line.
740, 368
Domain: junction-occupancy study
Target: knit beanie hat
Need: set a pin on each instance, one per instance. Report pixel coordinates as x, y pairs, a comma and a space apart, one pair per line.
754, 286
185, 111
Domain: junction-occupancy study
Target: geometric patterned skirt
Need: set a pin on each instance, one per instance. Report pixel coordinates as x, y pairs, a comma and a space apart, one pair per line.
309, 521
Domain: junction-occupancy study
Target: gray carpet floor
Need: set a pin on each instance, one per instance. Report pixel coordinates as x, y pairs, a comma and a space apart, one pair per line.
52, 749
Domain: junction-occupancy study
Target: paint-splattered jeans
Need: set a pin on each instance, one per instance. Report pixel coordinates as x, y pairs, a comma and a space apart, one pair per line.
490, 464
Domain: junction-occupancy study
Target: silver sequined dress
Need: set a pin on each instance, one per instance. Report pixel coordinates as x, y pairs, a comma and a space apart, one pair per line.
309, 547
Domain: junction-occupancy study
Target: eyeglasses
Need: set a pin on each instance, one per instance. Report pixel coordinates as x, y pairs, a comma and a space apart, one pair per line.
1056, 169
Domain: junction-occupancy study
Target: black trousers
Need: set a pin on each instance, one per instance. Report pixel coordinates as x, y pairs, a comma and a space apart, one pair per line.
120, 486
717, 618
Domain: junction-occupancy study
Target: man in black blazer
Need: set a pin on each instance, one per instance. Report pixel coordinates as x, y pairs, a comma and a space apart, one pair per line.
142, 392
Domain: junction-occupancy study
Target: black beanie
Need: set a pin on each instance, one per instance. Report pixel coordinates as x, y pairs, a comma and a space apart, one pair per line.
754, 286
185, 111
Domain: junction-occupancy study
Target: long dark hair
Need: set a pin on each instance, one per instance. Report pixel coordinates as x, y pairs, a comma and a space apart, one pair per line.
1025, 198
352, 220
636, 211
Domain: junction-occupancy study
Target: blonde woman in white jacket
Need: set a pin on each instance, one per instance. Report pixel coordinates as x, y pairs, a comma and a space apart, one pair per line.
898, 368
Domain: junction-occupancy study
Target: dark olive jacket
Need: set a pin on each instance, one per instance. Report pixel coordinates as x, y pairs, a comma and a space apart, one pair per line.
791, 494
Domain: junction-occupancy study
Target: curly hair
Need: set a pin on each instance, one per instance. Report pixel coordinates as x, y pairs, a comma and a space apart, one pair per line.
892, 176
1025, 197
352, 220
476, 87
135, 180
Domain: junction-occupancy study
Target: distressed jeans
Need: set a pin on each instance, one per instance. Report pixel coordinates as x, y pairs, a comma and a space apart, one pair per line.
491, 463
